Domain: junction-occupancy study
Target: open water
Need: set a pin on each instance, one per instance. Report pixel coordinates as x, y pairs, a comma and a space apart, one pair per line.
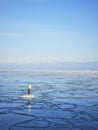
64, 100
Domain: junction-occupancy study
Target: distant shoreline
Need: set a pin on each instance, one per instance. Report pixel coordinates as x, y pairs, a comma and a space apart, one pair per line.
51, 71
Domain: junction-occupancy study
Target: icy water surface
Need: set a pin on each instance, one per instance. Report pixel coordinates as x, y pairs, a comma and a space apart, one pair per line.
64, 100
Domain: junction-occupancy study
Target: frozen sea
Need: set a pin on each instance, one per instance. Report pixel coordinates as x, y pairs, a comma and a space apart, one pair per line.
64, 100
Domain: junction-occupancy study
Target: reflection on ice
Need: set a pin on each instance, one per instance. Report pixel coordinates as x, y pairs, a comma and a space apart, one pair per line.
29, 106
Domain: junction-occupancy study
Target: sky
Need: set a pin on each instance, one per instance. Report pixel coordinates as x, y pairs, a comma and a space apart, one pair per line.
35, 31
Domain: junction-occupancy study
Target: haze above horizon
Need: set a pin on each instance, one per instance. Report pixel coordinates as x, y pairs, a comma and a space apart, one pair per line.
33, 31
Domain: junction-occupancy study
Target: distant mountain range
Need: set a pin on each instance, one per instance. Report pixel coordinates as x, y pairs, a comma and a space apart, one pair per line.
52, 66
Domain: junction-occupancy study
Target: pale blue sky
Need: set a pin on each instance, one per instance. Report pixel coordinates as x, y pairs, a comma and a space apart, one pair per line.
48, 30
